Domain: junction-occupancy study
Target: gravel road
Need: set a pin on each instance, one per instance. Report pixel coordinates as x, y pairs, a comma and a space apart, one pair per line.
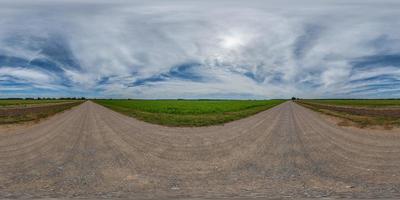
285, 152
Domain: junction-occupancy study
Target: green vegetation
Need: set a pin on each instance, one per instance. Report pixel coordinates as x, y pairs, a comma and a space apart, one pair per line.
359, 102
189, 112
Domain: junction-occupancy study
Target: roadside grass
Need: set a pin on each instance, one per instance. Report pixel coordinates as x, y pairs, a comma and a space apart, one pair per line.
352, 118
11, 115
371, 103
180, 113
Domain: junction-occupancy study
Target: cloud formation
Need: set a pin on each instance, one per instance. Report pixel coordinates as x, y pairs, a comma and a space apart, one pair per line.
200, 49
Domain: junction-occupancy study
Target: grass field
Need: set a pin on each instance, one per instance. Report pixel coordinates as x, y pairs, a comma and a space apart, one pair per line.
378, 103
189, 112
19, 103
361, 113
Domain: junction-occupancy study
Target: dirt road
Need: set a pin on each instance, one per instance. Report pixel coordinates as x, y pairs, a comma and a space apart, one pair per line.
287, 152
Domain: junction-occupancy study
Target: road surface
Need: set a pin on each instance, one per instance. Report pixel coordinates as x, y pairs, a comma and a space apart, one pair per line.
285, 152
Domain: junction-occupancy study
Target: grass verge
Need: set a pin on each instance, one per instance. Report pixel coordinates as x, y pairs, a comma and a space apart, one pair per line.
189, 112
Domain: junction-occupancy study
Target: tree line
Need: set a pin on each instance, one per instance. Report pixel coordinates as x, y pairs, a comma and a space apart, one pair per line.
47, 98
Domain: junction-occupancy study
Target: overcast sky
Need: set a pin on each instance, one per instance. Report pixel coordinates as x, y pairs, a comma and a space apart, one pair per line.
200, 49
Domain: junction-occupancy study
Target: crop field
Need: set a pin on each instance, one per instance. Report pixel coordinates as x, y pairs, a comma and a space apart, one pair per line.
372, 103
189, 112
362, 113
21, 103
15, 111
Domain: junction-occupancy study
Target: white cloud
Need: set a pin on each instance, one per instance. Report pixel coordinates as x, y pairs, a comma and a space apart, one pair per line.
28, 75
264, 49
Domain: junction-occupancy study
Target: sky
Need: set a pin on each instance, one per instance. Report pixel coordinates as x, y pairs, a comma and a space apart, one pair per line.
239, 49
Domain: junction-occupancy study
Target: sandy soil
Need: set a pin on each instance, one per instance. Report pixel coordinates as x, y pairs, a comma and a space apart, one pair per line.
285, 152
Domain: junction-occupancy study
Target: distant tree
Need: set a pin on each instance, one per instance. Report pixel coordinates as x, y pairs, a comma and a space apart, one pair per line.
293, 98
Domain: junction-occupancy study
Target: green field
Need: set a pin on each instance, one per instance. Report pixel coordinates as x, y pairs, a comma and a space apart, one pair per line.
189, 112
22, 103
359, 102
